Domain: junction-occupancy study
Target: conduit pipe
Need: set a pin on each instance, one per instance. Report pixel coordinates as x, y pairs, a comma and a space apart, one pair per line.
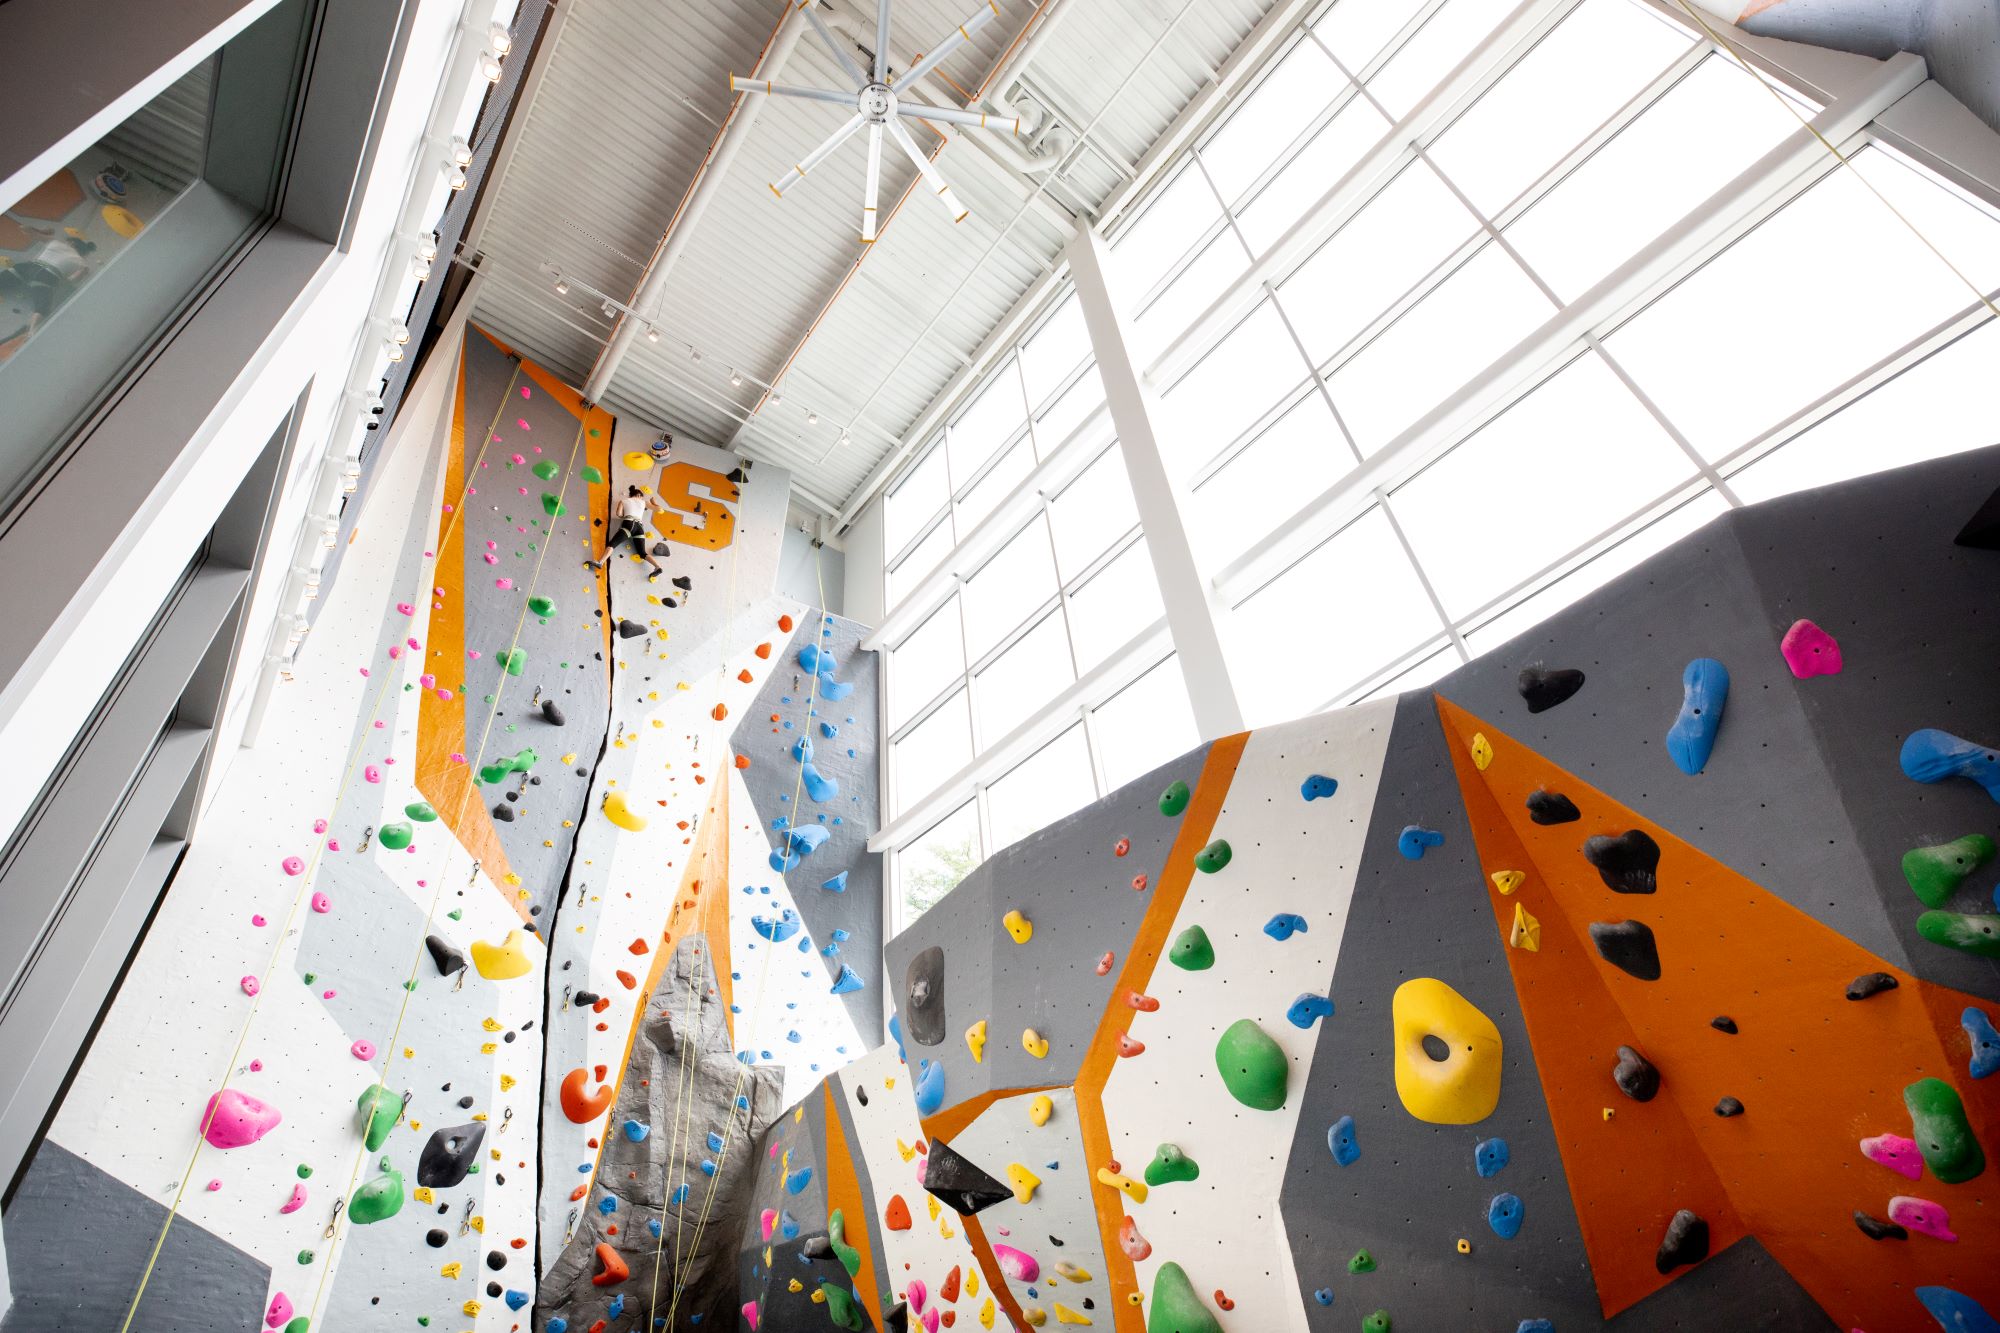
707, 184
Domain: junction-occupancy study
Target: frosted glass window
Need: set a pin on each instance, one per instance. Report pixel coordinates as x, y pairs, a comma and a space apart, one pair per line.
919, 562
922, 493
1176, 218
1069, 411
933, 865
1192, 292
1317, 168
1092, 512
1357, 30
999, 483
1228, 390
1144, 725
1022, 679
987, 423
1813, 297
1942, 405
1018, 580
1271, 118
1058, 347
1446, 38
1691, 142
1574, 80
1574, 457
935, 749
1298, 456
1471, 320
924, 663
1120, 600
1054, 782
1402, 234
1327, 623
1424, 671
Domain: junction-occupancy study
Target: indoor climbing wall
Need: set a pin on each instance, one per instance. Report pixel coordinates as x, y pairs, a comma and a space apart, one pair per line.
1641, 973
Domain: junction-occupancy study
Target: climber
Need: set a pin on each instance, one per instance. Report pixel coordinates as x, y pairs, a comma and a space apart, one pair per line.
632, 526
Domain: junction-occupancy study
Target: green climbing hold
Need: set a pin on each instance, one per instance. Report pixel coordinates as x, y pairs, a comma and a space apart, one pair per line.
1936, 872
1212, 857
841, 1306
1176, 1305
1253, 1066
379, 1199
1974, 934
514, 659
836, 1236
1174, 799
552, 505
591, 474
311, 977
420, 811
542, 606
299, 1325
305, 1172
394, 836
1362, 1262
500, 768
380, 1109
305, 1256
1376, 1323
1191, 950
456, 914
1170, 1164
546, 469
1944, 1136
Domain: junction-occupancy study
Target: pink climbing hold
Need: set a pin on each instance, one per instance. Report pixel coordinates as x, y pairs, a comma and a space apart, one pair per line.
1895, 1152
427, 681
256, 1066
415, 647
491, 558
406, 608
322, 904
750, 1315
1104, 964
235, 1119
364, 672
522, 489
333, 844
371, 773
1809, 650
394, 652
522, 422
327, 994
249, 985
931, 1318
472, 653
280, 1311
319, 826
257, 918
916, 1294
363, 1049
294, 866
517, 458
457, 756
1017, 1265
769, 1220
503, 583
444, 695
296, 1202
1923, 1216
214, 1186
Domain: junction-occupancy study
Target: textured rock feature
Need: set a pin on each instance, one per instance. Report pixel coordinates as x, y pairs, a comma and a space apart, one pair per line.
923, 998
958, 1183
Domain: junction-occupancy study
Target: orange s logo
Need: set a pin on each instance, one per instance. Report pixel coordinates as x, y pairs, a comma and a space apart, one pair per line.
696, 520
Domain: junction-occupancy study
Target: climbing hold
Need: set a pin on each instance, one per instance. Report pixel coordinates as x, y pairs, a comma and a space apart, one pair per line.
838, 884
449, 1155
1104, 964
975, 1041
1503, 1214
1034, 1043
1552, 807
1934, 873
1192, 951
503, 961
923, 998
1362, 1262
1253, 1066
1134, 1190
1284, 925
622, 814
630, 629
611, 1268
1895, 1152
296, 1201
776, 929
1017, 1265
1136, 1246
1728, 1107
379, 1198
1943, 1134
1527, 931
1626, 863
1318, 787
1686, 1242
1967, 932
551, 714
1635, 1076
1376, 1323
420, 811
1628, 946
1809, 650
395, 837
1508, 880
929, 1088
1723, 1023
249, 985
896, 1217
1931, 755
1308, 1009
1414, 840
1340, 1141
1324, 1295
1954, 1310
1921, 1216
378, 1110
1023, 1182
1979, 1030
1545, 687
235, 1119
638, 1131
1174, 799
1039, 1111
1876, 1229
1212, 857
1018, 926
1463, 1086
579, 1105
1704, 694
1176, 1306
1490, 1156
848, 982
1170, 1165
1872, 983
543, 606
1482, 751
513, 660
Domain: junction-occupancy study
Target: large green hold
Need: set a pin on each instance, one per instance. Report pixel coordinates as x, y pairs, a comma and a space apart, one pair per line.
841, 1307
1965, 931
1176, 1306
379, 1199
1192, 951
1170, 1164
514, 660
552, 505
394, 836
591, 474
379, 1109
1174, 799
1943, 1135
836, 1237
1253, 1066
1212, 857
542, 606
500, 768
547, 469
420, 811
1936, 872
299, 1325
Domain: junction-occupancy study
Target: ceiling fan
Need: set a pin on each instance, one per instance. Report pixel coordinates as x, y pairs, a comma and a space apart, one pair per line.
879, 107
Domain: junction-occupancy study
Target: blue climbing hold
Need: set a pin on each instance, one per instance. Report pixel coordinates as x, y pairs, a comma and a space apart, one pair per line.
1985, 1041
1317, 786
637, 1130
617, 1306
517, 1299
1308, 1009
835, 690
930, 1087
1490, 1156
806, 840
714, 1141
608, 1204
1504, 1216
708, 1168
805, 944
796, 1182
896, 1035
828, 730
556, 1325
1704, 694
1285, 925
818, 786
788, 1226
776, 930
1931, 755
802, 751
848, 982
838, 884
1534, 1326
1341, 1142
654, 1227
680, 1195
1414, 840
817, 661
1324, 1295
1956, 1311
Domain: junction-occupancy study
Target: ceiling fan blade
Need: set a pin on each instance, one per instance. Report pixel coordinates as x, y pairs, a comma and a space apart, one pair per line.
987, 12
739, 84
925, 167
833, 44
873, 189
959, 116
881, 40
817, 155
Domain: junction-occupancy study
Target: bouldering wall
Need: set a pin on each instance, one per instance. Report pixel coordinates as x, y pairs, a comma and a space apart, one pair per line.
1641, 973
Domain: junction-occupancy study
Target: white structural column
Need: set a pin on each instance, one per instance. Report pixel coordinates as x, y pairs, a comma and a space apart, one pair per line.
1193, 608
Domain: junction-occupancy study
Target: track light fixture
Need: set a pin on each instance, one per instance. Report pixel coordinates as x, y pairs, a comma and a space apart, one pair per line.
489, 67
499, 39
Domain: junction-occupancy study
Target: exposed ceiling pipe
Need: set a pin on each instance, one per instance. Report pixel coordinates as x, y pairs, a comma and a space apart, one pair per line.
706, 185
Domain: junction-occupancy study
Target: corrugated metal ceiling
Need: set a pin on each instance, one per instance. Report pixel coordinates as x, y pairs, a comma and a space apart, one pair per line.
631, 98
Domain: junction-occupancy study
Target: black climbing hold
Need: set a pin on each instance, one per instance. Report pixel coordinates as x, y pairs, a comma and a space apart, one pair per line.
1982, 530
1728, 1107
898, 1319
1635, 1076
448, 959
1625, 863
1686, 1242
630, 629
436, 1238
552, 714
662, 549
504, 812
583, 998
496, 1260
1545, 687
683, 582
1723, 1023
450, 1155
1874, 983
1552, 807
923, 996
861, 1095
955, 1181
1876, 1230
1629, 946
816, 1247
735, 474
494, 1289
465, 1103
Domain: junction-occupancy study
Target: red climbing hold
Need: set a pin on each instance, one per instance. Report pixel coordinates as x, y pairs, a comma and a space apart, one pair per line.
1104, 964
1139, 883
743, 761
897, 1216
583, 1107
1128, 1047
1143, 1003
949, 1291
1124, 846
613, 1270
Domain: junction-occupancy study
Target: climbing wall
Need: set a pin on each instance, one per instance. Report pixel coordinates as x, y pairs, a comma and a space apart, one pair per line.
1642, 973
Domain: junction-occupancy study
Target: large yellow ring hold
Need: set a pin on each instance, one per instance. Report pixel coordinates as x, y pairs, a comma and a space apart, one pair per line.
639, 461
1464, 1087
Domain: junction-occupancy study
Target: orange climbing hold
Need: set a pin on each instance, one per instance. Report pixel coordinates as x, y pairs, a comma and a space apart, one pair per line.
745, 676
583, 1107
719, 712
626, 979
896, 1216
764, 650
612, 1268
639, 946
785, 624
743, 761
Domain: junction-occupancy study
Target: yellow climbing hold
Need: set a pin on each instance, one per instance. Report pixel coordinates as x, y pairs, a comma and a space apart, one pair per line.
1464, 1246
1034, 1317
986, 1314
1023, 1180
449, 1270
1072, 1272
1482, 751
1134, 1189
1040, 1109
1463, 1087
1034, 1043
1527, 932
975, 1041
795, 1285
503, 961
971, 1282
491, 1025
506, 1083
1509, 880
638, 460
621, 814
471, 1309
1065, 1315
1608, 1113
1018, 926
422, 1194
